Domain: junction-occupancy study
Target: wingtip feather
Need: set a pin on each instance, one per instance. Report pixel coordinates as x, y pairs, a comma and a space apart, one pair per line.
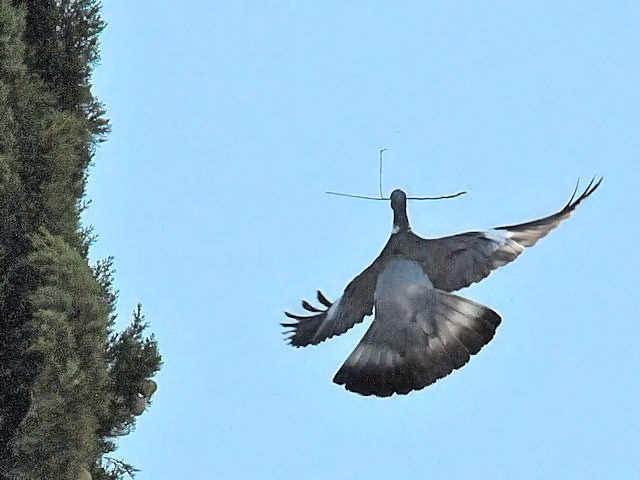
307, 306
591, 187
324, 300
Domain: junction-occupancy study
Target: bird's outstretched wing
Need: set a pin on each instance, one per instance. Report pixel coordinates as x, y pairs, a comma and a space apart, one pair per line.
458, 261
336, 318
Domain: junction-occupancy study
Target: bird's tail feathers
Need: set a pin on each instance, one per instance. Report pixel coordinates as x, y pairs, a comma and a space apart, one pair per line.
398, 355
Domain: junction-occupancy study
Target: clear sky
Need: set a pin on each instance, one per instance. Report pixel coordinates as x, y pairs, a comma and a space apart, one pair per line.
230, 120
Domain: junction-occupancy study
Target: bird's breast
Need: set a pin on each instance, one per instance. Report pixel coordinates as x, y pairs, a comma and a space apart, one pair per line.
402, 286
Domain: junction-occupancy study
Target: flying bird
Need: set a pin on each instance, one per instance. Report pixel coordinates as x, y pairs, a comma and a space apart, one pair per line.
421, 331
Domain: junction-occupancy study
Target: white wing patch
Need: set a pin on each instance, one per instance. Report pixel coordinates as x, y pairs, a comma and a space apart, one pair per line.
501, 237
504, 241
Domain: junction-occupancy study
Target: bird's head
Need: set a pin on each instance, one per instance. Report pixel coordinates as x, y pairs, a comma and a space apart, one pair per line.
399, 207
398, 200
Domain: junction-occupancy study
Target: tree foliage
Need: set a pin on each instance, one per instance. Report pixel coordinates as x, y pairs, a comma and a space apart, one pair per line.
68, 380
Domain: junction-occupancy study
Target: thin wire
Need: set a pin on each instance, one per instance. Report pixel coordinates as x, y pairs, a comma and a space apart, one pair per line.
356, 196
380, 176
387, 198
453, 195
381, 197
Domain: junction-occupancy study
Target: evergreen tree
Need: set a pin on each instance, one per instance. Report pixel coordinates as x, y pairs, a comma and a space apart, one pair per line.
69, 384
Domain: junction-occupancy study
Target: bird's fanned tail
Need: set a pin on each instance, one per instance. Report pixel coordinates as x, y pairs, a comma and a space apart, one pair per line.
400, 354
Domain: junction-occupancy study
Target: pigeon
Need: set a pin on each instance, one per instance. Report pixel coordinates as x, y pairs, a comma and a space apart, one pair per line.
421, 331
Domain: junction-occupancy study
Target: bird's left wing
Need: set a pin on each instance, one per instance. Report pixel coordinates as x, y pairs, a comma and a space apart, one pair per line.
336, 318
458, 261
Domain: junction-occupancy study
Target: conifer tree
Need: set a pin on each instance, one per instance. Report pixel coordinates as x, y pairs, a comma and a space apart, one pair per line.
69, 384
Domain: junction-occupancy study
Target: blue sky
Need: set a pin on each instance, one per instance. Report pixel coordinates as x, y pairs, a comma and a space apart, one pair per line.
230, 120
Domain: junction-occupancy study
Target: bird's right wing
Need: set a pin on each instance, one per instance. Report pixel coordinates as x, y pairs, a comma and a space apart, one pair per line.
457, 261
336, 318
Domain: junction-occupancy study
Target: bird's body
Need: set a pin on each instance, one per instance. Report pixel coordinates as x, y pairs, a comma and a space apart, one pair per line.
421, 331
